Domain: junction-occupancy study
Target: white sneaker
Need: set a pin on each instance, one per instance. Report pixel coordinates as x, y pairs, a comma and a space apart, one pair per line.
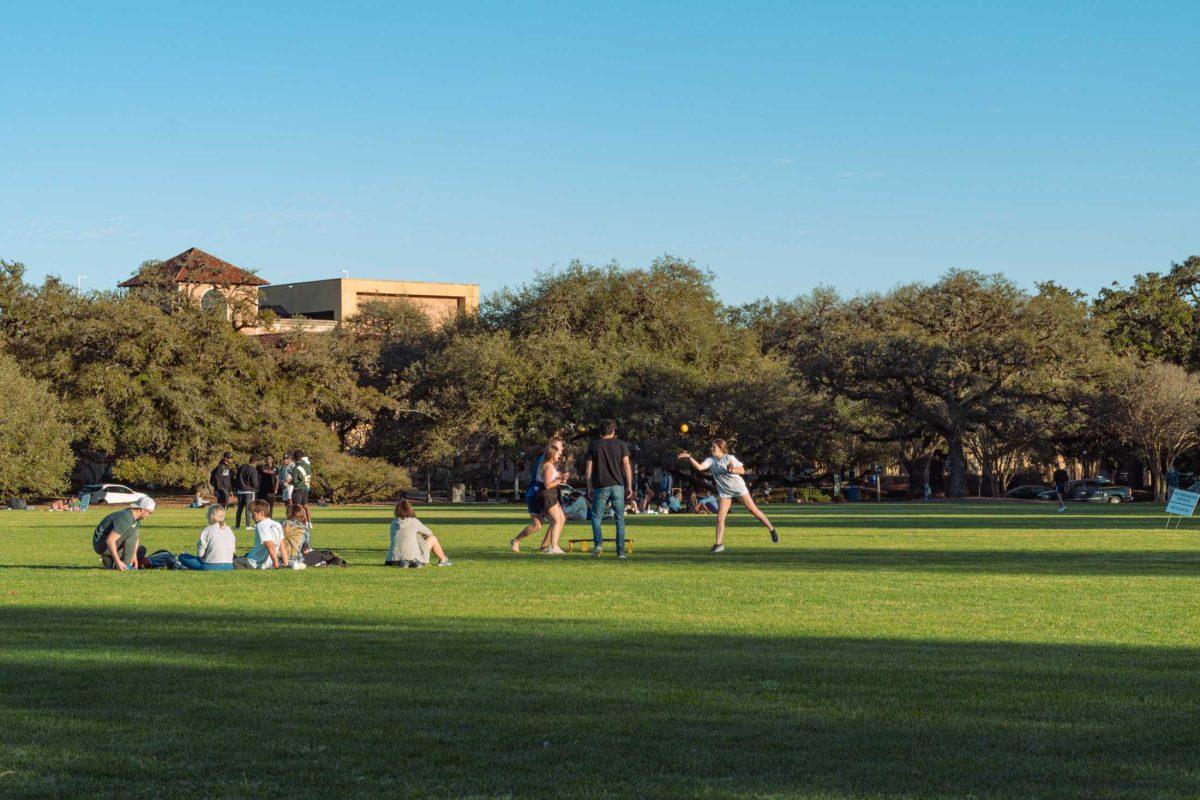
446, 563
596, 551
515, 545
556, 551
717, 548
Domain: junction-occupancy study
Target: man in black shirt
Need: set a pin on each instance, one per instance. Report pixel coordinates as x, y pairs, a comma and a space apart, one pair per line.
247, 490
221, 479
609, 475
1060, 486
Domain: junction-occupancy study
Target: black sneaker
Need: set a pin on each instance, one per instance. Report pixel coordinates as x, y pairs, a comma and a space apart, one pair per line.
774, 536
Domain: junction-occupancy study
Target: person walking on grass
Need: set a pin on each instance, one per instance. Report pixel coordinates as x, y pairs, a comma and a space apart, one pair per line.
727, 472
1061, 479
117, 536
551, 503
533, 500
609, 475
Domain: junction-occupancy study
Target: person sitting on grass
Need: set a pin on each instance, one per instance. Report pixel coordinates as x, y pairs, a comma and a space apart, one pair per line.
297, 530
215, 548
116, 538
269, 551
411, 541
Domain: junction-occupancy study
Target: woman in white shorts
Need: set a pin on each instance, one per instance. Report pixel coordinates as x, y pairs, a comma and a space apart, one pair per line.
727, 473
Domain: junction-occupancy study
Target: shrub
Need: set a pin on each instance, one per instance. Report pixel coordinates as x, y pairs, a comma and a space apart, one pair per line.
35, 442
807, 494
146, 470
342, 478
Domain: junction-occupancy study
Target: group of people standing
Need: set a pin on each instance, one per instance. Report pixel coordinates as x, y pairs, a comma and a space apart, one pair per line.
262, 480
608, 477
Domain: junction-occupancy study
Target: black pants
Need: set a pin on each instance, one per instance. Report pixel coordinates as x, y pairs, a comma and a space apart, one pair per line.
270, 498
244, 501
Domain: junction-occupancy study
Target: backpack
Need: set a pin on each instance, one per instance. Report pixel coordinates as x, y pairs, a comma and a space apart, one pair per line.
163, 559
324, 558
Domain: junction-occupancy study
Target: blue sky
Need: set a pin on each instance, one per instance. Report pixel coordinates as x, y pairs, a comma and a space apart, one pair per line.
781, 145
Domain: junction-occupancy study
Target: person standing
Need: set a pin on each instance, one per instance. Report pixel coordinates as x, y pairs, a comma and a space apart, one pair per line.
727, 472
247, 490
221, 479
301, 480
609, 475
1061, 480
268, 483
533, 499
117, 536
285, 479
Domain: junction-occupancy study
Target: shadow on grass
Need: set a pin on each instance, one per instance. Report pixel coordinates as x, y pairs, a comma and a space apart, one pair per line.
999, 562
228, 705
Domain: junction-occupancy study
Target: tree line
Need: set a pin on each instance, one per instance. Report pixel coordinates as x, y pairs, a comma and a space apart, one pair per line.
964, 381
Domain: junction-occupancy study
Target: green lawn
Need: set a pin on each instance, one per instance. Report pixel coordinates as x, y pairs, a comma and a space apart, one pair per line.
902, 651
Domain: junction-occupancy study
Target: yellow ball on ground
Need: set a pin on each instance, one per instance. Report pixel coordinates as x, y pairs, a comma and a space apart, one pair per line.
683, 428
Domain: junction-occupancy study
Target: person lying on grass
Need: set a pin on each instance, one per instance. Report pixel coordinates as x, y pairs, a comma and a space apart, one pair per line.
116, 538
727, 473
412, 542
270, 550
216, 546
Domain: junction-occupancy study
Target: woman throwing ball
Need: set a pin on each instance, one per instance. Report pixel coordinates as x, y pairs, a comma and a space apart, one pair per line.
727, 472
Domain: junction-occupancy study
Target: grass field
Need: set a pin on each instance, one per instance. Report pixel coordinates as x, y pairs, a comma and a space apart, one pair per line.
901, 651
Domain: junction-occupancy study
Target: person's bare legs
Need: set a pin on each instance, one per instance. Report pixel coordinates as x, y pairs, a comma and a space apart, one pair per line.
748, 502
435, 547
535, 525
723, 504
557, 520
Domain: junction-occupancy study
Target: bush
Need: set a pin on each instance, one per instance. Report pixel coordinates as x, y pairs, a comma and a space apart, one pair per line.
35, 442
807, 494
145, 470
341, 478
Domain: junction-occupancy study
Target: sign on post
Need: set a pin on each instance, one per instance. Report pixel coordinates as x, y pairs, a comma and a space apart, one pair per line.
1182, 503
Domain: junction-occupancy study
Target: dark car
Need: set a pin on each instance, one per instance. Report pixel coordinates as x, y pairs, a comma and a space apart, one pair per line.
1031, 492
1097, 491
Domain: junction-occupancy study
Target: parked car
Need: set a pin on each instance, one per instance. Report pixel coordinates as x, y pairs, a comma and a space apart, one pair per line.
1091, 490
113, 493
1095, 491
1031, 492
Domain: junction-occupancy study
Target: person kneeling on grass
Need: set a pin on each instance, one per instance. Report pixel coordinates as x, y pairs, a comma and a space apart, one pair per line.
270, 550
116, 538
727, 473
215, 548
412, 542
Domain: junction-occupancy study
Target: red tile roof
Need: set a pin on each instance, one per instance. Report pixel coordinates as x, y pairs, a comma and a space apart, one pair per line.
196, 266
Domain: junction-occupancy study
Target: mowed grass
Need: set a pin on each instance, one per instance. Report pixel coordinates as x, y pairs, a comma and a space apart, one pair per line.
896, 651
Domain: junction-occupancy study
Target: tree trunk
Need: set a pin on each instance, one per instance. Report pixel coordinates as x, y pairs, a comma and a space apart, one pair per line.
958, 467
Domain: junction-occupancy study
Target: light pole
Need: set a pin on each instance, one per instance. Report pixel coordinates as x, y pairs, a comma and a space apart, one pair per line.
79, 279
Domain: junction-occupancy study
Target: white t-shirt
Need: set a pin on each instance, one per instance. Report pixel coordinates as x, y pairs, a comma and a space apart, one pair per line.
266, 531
728, 483
216, 545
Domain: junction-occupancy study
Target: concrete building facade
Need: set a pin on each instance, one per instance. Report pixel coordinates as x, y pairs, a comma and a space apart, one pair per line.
339, 298
309, 306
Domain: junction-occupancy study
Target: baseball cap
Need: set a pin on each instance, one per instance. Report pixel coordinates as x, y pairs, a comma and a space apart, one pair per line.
145, 503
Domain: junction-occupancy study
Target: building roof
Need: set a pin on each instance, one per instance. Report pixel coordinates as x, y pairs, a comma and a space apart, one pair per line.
196, 266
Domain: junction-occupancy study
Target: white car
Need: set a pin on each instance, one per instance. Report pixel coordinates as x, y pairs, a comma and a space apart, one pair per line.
113, 493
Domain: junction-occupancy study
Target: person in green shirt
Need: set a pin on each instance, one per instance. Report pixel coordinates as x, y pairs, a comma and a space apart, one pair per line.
116, 538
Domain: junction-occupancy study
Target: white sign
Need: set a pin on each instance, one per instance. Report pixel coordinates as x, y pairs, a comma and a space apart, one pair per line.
1182, 503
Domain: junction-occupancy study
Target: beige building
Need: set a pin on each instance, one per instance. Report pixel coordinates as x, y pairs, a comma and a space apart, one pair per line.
339, 298
312, 306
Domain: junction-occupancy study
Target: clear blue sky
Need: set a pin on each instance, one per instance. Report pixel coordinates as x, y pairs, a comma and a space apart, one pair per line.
780, 145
